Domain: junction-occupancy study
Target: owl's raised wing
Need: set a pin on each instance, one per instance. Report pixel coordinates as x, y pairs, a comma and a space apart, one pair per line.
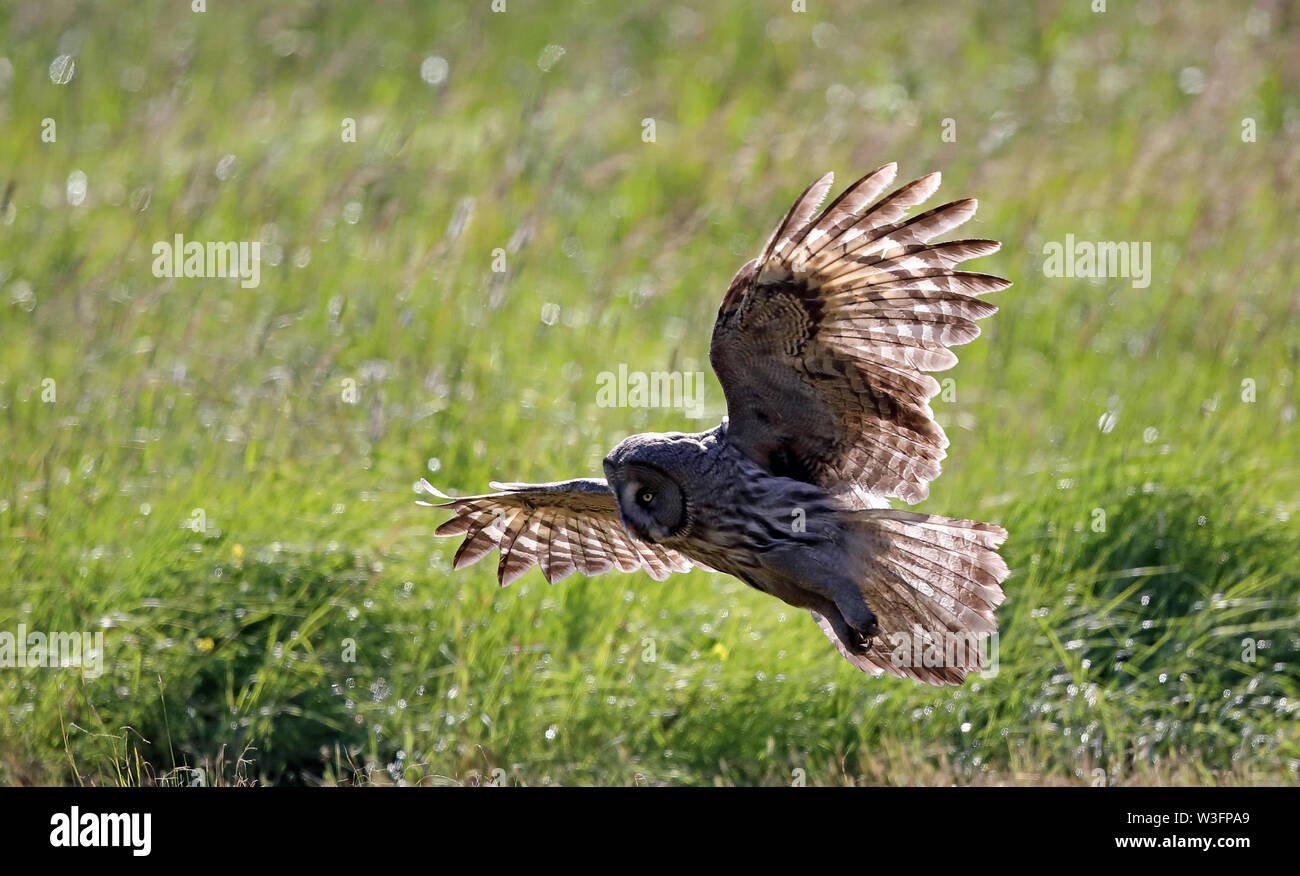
822, 343
565, 527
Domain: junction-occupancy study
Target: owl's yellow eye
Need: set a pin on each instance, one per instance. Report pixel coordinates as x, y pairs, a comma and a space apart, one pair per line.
646, 497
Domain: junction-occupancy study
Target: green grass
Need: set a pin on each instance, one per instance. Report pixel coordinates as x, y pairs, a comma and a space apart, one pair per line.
1121, 650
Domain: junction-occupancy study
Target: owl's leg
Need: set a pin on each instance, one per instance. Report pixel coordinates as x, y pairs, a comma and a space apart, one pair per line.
854, 642
851, 618
838, 595
861, 621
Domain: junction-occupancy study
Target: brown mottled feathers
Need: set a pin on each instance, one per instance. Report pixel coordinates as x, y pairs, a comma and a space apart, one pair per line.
822, 344
565, 527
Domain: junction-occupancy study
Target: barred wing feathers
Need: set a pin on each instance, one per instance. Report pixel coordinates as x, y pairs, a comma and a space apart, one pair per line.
564, 527
822, 344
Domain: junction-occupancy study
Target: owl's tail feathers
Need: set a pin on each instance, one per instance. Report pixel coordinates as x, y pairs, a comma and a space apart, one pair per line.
933, 584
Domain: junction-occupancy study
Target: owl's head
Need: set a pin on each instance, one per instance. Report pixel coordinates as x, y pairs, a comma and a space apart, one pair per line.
651, 501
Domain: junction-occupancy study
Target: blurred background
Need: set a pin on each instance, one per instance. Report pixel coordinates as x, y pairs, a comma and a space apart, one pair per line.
464, 217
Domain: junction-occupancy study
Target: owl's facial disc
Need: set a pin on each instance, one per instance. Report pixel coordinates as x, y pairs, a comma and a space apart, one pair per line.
650, 502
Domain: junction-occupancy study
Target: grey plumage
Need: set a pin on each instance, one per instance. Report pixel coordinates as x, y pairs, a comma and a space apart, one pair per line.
822, 345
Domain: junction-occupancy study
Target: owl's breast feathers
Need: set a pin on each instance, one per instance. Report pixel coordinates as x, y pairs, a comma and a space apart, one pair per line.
740, 512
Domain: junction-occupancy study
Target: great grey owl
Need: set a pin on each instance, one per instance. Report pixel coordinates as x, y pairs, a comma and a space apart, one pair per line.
821, 346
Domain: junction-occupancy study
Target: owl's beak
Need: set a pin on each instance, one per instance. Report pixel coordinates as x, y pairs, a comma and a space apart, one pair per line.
632, 527
640, 531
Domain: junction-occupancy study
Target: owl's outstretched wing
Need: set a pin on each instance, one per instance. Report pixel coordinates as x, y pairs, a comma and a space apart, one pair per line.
565, 527
822, 343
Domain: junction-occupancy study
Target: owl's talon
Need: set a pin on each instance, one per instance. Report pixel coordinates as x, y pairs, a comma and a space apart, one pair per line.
857, 628
867, 628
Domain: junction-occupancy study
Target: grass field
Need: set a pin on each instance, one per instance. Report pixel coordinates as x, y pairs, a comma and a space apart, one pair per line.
186, 468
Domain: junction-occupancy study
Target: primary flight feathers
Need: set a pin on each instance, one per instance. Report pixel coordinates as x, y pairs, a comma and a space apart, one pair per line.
834, 327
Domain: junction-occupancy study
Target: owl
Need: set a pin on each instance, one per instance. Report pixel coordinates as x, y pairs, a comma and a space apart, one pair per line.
823, 346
